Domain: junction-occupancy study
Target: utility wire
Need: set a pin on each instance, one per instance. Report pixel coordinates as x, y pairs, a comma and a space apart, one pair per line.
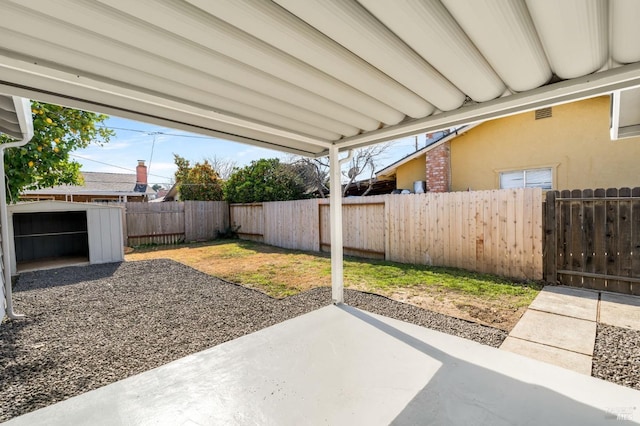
159, 133
153, 145
113, 165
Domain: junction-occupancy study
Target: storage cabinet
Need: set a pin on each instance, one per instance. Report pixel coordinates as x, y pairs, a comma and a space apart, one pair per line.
48, 235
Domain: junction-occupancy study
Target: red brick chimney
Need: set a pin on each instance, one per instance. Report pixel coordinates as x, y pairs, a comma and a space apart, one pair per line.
141, 173
438, 168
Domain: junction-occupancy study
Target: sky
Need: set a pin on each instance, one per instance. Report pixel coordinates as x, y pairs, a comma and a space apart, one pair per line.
156, 145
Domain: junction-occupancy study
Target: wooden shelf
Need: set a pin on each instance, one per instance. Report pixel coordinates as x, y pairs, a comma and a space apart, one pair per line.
51, 234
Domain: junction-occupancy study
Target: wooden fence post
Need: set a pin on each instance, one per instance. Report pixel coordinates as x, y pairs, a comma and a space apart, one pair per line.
387, 234
189, 231
550, 239
125, 234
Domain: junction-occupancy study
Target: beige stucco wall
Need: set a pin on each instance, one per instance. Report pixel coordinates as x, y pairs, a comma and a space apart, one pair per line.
410, 172
575, 141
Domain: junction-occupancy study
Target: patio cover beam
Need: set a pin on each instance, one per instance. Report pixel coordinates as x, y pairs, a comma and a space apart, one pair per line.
588, 86
20, 77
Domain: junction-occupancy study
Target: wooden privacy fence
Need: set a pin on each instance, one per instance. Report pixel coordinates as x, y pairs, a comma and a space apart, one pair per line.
593, 239
496, 232
174, 222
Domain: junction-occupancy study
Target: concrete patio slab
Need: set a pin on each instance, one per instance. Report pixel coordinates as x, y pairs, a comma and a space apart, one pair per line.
620, 310
572, 302
579, 363
339, 365
573, 334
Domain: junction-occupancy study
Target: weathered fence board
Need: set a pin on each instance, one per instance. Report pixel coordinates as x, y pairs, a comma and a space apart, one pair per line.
204, 219
250, 220
611, 237
592, 239
292, 224
363, 227
599, 236
588, 241
174, 222
635, 236
154, 223
625, 248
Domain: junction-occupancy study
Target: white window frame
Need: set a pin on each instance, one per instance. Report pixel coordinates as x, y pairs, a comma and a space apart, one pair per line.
552, 167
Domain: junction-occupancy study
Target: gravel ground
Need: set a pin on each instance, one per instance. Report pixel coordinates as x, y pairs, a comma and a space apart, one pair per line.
91, 326
616, 356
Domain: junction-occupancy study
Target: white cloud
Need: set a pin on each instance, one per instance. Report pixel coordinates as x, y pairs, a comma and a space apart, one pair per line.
163, 166
247, 155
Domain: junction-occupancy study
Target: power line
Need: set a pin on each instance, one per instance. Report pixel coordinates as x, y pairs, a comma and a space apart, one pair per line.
153, 145
113, 165
159, 133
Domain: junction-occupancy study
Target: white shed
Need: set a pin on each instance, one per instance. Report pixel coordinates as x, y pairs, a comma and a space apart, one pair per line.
46, 234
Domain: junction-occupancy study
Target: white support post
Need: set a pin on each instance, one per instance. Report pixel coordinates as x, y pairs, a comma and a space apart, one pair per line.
335, 223
615, 115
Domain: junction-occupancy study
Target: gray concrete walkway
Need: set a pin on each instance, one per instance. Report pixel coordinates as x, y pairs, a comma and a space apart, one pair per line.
341, 365
560, 325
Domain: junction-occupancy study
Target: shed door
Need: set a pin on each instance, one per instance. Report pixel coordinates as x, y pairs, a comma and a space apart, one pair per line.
50, 235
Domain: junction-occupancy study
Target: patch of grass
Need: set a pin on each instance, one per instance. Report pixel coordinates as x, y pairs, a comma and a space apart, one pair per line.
227, 251
267, 284
390, 276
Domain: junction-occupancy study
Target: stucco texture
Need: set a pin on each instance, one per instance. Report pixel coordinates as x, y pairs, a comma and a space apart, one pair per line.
575, 142
410, 172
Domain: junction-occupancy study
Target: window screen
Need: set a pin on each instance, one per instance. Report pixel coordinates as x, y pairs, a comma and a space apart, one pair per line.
534, 178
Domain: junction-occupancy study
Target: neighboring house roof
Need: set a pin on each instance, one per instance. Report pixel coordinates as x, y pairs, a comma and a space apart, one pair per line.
378, 187
172, 195
96, 183
391, 169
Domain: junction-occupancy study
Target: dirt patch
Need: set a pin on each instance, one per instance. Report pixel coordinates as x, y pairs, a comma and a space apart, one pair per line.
496, 314
260, 267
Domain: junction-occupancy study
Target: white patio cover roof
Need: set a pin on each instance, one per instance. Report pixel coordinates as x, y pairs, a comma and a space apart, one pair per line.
15, 117
302, 75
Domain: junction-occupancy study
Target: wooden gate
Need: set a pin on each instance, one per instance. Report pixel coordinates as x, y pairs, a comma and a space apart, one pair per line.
592, 239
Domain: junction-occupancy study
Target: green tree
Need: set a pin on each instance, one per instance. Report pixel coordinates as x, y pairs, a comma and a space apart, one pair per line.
200, 182
264, 180
44, 161
182, 173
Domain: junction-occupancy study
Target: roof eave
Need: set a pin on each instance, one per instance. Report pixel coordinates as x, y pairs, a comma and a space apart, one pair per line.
393, 167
